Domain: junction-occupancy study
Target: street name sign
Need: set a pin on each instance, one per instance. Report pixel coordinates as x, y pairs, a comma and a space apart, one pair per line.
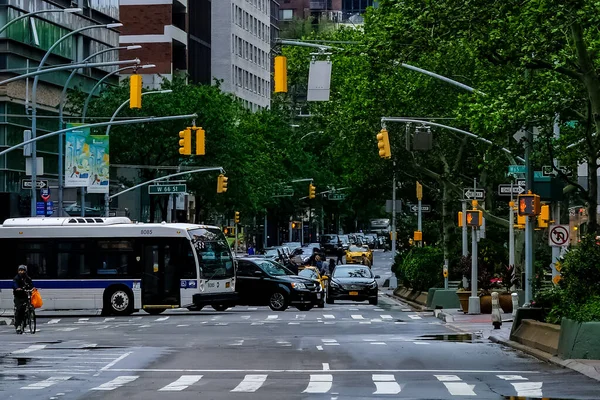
167, 189
39, 184
517, 169
474, 194
506, 189
336, 196
559, 235
424, 208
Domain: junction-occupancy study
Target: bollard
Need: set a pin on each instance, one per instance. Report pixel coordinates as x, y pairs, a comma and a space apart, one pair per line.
496, 315
515, 303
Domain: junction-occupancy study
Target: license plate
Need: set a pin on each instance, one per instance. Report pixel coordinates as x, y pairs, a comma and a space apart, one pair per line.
319, 296
353, 293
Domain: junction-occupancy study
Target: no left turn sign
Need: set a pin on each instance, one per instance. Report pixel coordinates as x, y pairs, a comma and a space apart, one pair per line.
559, 235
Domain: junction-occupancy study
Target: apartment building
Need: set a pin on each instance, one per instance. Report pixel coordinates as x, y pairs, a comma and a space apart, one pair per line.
328, 10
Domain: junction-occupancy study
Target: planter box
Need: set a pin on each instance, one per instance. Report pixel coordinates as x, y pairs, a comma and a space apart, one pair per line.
579, 340
442, 298
536, 314
412, 295
538, 335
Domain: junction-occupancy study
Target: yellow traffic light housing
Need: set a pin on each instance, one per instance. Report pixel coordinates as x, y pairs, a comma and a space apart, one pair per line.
280, 74
418, 236
135, 91
529, 204
460, 219
312, 191
474, 218
544, 218
185, 142
200, 141
222, 183
237, 217
419, 191
383, 143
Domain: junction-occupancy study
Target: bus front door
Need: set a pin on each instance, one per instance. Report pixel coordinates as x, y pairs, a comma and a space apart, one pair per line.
160, 280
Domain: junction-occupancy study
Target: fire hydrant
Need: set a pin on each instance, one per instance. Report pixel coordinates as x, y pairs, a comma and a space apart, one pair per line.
496, 315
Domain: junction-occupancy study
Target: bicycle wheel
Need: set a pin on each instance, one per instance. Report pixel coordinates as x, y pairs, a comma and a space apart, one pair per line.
31, 321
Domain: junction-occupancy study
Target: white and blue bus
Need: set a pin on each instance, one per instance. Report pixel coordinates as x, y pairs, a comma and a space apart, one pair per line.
116, 265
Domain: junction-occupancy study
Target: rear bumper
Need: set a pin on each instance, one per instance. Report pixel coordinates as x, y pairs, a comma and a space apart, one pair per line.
207, 299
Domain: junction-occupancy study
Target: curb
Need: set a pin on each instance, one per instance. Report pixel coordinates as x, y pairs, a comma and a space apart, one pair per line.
417, 306
574, 365
443, 316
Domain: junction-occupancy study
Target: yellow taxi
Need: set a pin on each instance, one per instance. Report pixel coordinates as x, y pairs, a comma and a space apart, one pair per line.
308, 271
359, 255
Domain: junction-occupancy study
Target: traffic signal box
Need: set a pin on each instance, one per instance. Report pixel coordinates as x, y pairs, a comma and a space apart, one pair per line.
280, 74
237, 217
185, 142
135, 91
222, 183
383, 143
474, 218
418, 236
528, 204
200, 140
312, 191
543, 220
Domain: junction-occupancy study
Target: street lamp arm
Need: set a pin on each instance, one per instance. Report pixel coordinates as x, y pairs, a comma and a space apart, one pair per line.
474, 136
31, 14
127, 102
304, 44
302, 180
100, 124
194, 171
440, 77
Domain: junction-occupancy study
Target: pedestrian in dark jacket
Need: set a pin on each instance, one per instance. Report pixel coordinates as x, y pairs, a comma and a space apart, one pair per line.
340, 255
331, 266
21, 282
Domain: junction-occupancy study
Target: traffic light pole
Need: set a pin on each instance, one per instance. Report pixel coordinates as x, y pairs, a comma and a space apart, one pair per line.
236, 238
528, 221
474, 302
465, 235
394, 238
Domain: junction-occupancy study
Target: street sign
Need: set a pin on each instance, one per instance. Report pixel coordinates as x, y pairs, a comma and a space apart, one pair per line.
517, 169
415, 208
505, 189
389, 205
45, 194
548, 170
521, 182
559, 235
42, 207
39, 184
167, 189
336, 196
474, 194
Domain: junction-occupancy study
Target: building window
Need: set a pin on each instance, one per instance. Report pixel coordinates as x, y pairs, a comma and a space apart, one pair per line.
286, 14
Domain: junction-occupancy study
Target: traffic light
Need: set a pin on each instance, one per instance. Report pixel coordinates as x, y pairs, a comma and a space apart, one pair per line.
544, 218
237, 217
418, 236
460, 219
529, 204
135, 91
383, 143
419, 191
200, 136
521, 220
474, 218
222, 183
185, 142
311, 191
280, 74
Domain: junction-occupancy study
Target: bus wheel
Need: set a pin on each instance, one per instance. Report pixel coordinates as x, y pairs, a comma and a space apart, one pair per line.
220, 307
119, 302
154, 311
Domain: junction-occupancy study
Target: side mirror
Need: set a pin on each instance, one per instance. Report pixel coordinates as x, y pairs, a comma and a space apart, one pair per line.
377, 277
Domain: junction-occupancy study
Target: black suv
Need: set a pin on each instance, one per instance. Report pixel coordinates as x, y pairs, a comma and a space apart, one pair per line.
262, 282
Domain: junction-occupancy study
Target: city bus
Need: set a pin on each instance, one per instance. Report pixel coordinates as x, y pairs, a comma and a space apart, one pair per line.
116, 265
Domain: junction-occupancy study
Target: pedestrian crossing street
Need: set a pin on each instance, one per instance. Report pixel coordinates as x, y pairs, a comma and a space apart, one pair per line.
398, 384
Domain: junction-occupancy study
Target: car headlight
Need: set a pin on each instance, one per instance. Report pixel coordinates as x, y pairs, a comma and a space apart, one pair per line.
335, 285
373, 285
298, 285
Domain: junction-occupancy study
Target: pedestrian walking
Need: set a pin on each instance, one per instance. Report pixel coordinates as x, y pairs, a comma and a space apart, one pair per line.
331, 266
250, 249
340, 255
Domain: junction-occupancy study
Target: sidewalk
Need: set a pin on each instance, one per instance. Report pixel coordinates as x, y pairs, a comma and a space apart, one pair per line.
482, 325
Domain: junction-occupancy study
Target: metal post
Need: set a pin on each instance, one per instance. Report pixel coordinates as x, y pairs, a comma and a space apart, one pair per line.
528, 221
419, 222
465, 245
290, 231
394, 211
511, 236
446, 267
236, 238
106, 204
556, 207
170, 209
83, 201
265, 239
474, 305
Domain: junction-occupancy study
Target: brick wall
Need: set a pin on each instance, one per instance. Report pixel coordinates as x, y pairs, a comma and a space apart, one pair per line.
145, 19
159, 54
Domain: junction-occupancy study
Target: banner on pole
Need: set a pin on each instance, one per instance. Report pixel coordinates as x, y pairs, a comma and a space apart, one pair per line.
86, 160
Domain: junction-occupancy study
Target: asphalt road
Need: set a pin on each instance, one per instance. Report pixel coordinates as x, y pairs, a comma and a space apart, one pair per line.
345, 351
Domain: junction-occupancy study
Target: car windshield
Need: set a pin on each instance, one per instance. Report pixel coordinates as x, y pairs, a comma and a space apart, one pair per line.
271, 252
308, 273
344, 239
274, 269
214, 254
352, 272
329, 239
356, 249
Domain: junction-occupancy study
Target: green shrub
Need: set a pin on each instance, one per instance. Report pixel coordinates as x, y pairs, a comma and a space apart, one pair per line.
421, 268
589, 311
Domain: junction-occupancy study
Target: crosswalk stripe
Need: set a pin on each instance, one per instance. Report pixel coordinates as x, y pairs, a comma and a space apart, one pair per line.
357, 316
272, 316
31, 348
182, 383
53, 380
414, 317
328, 316
116, 383
386, 316
251, 383
528, 389
386, 384
455, 386
54, 321
512, 377
161, 319
67, 329
319, 384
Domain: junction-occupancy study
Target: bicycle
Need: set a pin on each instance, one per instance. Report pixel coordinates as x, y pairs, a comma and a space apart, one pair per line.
29, 319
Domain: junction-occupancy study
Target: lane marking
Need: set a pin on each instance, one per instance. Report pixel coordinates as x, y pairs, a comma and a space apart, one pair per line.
330, 342
423, 343
245, 317
512, 377
257, 323
320, 348
251, 383
319, 384
413, 316
300, 316
448, 378
116, 383
252, 308
108, 319
385, 384
379, 343
284, 343
163, 370
33, 347
67, 329
238, 342
54, 321
180, 384
293, 323
328, 316
378, 309
365, 322
53, 380
273, 317
400, 323
180, 326
455, 387
161, 319
386, 316
329, 323
528, 389
357, 316
325, 366
113, 363
83, 320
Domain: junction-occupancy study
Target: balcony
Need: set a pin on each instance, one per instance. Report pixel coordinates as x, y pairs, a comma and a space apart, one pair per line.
320, 5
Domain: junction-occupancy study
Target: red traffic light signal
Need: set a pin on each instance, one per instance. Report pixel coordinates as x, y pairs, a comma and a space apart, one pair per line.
529, 204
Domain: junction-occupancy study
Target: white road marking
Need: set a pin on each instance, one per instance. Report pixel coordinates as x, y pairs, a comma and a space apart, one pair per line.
378, 309
182, 383
108, 319
320, 348
252, 308
400, 323
116, 383
31, 348
389, 371
54, 321
113, 363
148, 326
161, 319
245, 317
251, 383
293, 323
357, 316
83, 320
238, 342
325, 366
284, 343
328, 316
425, 343
53, 380
369, 340
257, 323
319, 384
385, 316
412, 316
180, 326
405, 309
300, 316
365, 322
379, 343
528, 389
512, 377
329, 323
455, 386
67, 329
385, 384
222, 324
272, 316
330, 342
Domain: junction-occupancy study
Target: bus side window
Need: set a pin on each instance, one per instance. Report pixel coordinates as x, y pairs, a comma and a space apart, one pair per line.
35, 256
73, 259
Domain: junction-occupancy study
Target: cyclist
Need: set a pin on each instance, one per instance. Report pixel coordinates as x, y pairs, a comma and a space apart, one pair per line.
21, 283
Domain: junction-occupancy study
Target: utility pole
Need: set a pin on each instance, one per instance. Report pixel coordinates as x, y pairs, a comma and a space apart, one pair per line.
556, 209
528, 221
265, 239
474, 302
465, 245
394, 211
419, 212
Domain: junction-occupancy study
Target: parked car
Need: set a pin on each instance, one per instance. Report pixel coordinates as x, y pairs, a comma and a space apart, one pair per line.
268, 283
352, 282
344, 240
359, 255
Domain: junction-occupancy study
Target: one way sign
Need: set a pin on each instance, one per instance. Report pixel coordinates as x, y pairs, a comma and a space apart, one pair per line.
474, 194
424, 208
505, 189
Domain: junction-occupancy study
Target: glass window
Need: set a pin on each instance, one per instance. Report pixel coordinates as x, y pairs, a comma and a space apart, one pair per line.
274, 269
246, 268
352, 272
213, 252
308, 273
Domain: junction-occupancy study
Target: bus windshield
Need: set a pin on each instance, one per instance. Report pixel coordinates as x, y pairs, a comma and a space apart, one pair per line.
214, 254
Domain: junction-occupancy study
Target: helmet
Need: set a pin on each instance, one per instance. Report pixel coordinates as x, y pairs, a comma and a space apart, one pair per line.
23, 267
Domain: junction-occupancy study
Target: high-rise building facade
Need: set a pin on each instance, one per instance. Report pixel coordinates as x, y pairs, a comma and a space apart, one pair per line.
317, 10
22, 46
240, 47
